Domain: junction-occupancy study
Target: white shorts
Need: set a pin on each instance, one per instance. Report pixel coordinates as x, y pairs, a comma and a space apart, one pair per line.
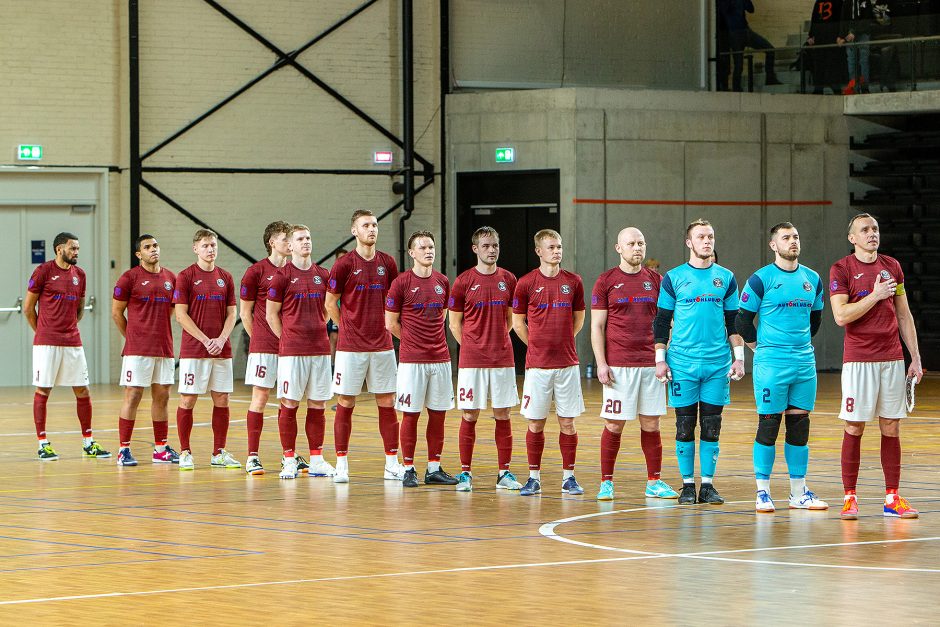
304, 375
541, 384
261, 370
138, 371
59, 365
424, 385
376, 369
205, 374
635, 392
475, 385
873, 389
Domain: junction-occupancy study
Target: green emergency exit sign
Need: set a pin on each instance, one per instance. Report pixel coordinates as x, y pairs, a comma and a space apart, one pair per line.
505, 155
29, 152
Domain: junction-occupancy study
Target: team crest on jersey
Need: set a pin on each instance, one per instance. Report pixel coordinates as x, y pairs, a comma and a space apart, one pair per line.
389, 302
565, 289
381, 270
220, 282
807, 287
647, 286
834, 286
594, 299
745, 297
885, 276
167, 286
717, 282
438, 289
117, 291
75, 279
501, 286
318, 280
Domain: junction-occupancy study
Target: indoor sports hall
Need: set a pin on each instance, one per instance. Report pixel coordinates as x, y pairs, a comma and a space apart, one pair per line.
131, 125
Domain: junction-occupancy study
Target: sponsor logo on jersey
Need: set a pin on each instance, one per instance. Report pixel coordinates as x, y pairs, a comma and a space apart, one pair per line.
415, 289
176, 294
717, 282
501, 286
389, 302
381, 270
539, 289
357, 271
474, 287
858, 276
618, 286
834, 286
438, 289
807, 287
32, 282
565, 289
220, 282
647, 286
317, 280
295, 279
450, 302
272, 293
333, 284
594, 299
885, 275
167, 286
54, 277
269, 278
117, 291
777, 286
145, 282
197, 282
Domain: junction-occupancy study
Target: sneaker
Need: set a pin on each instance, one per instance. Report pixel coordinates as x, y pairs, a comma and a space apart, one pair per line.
94, 450
659, 489
167, 456
687, 495
849, 508
186, 461
302, 466
439, 477
765, 504
531, 487
319, 469
125, 458
807, 500
410, 480
47, 453
900, 508
708, 494
341, 477
224, 460
253, 466
507, 481
394, 473
571, 486
464, 482
288, 468
606, 493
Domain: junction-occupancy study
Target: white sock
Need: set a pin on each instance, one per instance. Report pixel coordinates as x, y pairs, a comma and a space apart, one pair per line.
797, 486
535, 474
434, 466
250, 457
566, 473
341, 464
87, 441
764, 484
689, 481
706, 480
316, 459
391, 460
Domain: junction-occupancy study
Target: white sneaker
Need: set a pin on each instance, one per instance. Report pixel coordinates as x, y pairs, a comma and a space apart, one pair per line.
253, 466
394, 473
341, 473
321, 469
288, 468
186, 461
765, 504
807, 500
224, 460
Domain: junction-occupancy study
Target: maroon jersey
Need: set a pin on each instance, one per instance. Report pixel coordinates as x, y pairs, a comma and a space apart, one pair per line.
421, 303
255, 284
209, 295
362, 286
549, 304
484, 300
874, 336
149, 298
630, 302
59, 292
302, 295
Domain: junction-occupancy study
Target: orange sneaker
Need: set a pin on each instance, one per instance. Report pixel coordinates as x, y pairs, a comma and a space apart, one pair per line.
850, 508
898, 507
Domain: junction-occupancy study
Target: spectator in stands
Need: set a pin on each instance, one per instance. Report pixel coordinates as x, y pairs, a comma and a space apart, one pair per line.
857, 19
826, 64
740, 36
883, 30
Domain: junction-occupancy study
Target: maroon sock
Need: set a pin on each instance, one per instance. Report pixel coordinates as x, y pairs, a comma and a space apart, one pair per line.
610, 446
184, 427
465, 440
83, 408
409, 437
342, 429
503, 443
388, 428
255, 426
534, 445
160, 429
569, 449
287, 428
652, 445
435, 434
315, 427
39, 414
891, 461
125, 431
219, 428
851, 459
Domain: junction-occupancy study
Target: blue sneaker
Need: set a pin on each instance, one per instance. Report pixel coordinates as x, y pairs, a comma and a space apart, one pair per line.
606, 493
464, 482
571, 486
531, 487
659, 489
125, 458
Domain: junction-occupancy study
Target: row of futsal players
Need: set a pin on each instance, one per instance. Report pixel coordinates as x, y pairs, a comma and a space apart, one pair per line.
647, 332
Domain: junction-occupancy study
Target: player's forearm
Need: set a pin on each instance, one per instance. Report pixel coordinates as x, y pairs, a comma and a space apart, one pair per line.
121, 323
578, 322
909, 335
31, 319
394, 328
332, 307
275, 323
80, 309
247, 316
522, 331
229, 325
599, 344
847, 313
735, 340
189, 325
456, 329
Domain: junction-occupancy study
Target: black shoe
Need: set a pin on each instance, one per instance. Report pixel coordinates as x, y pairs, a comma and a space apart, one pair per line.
687, 494
708, 494
411, 478
439, 477
772, 80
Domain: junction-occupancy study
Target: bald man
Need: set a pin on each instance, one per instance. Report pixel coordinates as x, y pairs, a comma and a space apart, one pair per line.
623, 305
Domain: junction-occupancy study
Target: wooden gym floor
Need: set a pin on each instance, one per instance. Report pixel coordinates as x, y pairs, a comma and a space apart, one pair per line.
84, 541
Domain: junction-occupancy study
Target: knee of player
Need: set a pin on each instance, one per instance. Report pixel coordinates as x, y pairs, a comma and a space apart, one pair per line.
133, 395
81, 391
711, 426
471, 415
797, 429
890, 427
537, 426
615, 426
567, 425
768, 427
685, 423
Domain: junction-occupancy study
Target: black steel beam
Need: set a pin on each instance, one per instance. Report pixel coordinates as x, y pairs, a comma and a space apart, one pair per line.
408, 121
214, 170
133, 104
444, 60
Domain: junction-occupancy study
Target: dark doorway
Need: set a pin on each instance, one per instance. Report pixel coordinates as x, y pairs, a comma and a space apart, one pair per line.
516, 204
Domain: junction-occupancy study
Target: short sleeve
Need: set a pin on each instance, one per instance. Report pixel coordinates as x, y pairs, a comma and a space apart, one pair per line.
458, 294
392, 269
731, 294
667, 294
37, 280
577, 299
81, 286
249, 287
899, 272
181, 292
520, 298
446, 289
599, 294
339, 273
277, 288
838, 279
752, 294
122, 289
394, 297
230, 291
511, 282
